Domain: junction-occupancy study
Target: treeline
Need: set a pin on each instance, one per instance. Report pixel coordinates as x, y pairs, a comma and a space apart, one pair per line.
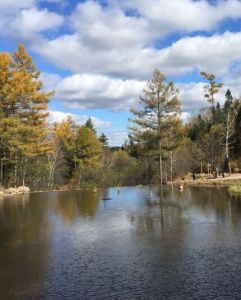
209, 142
160, 146
42, 155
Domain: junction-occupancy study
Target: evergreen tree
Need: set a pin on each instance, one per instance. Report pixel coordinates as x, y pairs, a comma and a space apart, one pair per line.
237, 133
158, 113
87, 151
210, 90
89, 124
103, 139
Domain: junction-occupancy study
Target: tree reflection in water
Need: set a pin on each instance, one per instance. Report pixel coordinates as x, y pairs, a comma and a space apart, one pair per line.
23, 249
161, 245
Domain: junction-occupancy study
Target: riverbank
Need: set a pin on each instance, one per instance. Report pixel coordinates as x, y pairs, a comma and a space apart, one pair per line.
204, 180
201, 180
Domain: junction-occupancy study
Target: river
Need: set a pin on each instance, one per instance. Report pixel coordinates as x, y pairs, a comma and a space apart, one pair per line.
135, 244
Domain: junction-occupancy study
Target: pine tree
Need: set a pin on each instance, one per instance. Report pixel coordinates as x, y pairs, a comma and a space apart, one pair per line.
88, 151
90, 125
158, 114
103, 139
210, 90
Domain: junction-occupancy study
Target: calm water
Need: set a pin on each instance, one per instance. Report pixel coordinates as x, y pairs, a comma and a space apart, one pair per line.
74, 245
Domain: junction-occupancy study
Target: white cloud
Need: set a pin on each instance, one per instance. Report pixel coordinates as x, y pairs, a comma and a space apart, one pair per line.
213, 54
107, 44
117, 138
49, 80
58, 116
15, 4
86, 91
124, 45
108, 27
191, 96
34, 20
27, 23
209, 53
97, 91
167, 16
108, 41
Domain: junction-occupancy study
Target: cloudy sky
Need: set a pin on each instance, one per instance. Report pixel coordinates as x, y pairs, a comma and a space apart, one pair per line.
98, 55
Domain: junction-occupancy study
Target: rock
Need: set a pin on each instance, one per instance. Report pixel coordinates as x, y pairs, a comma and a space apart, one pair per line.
15, 191
11, 191
23, 189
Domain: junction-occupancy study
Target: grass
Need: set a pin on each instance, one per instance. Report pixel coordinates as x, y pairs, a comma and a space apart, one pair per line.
235, 188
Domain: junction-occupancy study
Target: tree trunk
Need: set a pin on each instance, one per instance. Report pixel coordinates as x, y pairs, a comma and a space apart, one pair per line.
160, 163
146, 166
171, 166
1, 172
15, 173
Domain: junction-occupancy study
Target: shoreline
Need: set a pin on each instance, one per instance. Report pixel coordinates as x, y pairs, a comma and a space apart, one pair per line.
202, 182
210, 182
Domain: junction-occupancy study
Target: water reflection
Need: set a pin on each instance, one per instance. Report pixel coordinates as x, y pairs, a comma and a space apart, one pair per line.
76, 204
140, 244
23, 248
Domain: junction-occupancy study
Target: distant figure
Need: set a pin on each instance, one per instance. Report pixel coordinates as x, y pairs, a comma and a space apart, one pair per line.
118, 191
223, 175
181, 188
193, 176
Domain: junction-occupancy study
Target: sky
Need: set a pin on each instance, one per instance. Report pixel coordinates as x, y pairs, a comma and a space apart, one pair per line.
98, 55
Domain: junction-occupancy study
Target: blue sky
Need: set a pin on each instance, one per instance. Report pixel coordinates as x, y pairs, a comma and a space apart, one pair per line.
98, 55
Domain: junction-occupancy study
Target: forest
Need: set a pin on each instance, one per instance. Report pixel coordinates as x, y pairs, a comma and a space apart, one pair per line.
161, 146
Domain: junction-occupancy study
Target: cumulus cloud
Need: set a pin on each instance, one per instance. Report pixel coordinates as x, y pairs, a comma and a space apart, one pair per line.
58, 116
111, 50
213, 53
34, 20
24, 22
109, 27
190, 16
86, 91
192, 94
97, 91
109, 41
